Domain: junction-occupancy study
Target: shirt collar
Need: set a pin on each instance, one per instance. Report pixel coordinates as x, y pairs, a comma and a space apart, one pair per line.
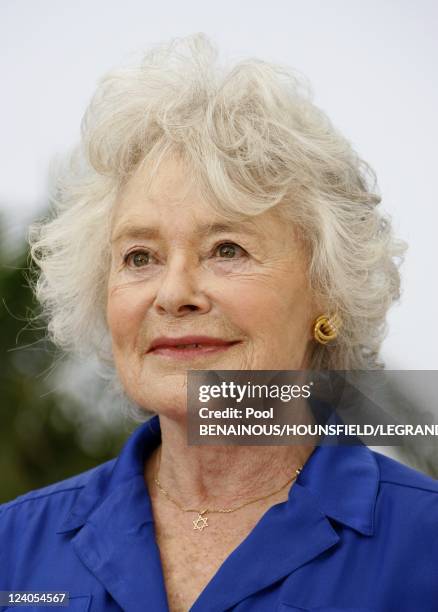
343, 480
110, 477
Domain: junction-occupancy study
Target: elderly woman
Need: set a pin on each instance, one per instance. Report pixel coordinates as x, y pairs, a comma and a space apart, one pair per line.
214, 219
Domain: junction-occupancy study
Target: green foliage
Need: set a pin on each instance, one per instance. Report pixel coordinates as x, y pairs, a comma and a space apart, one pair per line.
40, 440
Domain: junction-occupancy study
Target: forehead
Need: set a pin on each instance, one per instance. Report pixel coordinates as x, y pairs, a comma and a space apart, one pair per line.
170, 202
171, 189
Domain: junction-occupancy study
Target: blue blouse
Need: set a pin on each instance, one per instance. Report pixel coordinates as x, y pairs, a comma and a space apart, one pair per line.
359, 532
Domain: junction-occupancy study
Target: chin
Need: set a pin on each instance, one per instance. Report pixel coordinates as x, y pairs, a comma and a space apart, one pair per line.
172, 408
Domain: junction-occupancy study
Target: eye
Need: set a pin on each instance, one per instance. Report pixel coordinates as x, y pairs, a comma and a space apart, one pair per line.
138, 258
229, 250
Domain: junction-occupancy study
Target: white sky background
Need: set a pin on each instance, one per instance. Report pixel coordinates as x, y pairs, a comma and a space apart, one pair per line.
372, 65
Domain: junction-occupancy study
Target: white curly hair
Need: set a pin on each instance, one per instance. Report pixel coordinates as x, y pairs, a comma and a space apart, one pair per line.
253, 139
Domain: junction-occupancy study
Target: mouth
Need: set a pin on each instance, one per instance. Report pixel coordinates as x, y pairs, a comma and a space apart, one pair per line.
190, 351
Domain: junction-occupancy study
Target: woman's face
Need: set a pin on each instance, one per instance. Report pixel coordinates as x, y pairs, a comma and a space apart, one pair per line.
178, 270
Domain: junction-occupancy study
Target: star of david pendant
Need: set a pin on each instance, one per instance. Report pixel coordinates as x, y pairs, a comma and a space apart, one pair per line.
200, 522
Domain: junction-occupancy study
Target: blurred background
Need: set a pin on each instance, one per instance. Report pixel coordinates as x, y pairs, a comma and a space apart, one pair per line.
373, 70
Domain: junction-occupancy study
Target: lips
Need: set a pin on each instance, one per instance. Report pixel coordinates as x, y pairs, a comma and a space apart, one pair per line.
189, 343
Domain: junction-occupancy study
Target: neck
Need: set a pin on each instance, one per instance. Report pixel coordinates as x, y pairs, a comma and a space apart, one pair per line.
220, 476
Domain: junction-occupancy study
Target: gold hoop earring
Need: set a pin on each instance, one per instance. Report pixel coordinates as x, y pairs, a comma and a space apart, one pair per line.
325, 328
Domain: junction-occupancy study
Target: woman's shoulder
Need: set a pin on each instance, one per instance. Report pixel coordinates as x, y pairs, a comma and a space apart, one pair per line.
406, 497
402, 476
43, 506
31, 531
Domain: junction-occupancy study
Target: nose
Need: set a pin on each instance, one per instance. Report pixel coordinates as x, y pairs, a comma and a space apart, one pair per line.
179, 293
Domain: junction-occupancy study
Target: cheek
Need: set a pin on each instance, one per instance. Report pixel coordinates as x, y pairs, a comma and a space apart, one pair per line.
125, 312
253, 308
272, 311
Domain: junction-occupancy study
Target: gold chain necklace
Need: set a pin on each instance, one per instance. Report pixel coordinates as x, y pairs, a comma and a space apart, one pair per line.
202, 520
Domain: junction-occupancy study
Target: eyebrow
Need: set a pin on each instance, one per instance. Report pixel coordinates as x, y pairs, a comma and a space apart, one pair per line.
129, 230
